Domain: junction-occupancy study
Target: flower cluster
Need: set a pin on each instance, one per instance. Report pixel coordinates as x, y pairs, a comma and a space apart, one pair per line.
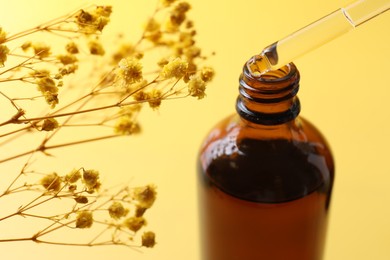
121, 214
173, 33
93, 21
164, 63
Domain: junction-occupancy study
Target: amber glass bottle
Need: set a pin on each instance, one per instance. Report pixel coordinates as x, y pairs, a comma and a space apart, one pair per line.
265, 176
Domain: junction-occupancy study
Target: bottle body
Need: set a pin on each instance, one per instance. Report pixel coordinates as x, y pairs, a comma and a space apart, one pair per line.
264, 186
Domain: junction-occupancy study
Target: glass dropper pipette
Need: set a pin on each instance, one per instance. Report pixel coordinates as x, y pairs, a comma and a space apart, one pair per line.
315, 35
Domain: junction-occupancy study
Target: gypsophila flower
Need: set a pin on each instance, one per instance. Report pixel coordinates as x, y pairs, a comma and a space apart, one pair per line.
103, 10
162, 62
129, 70
49, 124
51, 98
187, 40
197, 87
84, 219
125, 125
95, 21
73, 176
135, 223
66, 70
178, 14
117, 210
26, 45
40, 73
148, 239
192, 52
152, 25
145, 196
41, 50
154, 98
81, 199
72, 48
46, 84
3, 54
91, 180
67, 58
96, 48
207, 74
51, 182
175, 68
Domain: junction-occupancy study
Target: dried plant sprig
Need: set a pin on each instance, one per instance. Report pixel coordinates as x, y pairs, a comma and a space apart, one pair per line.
164, 63
130, 81
112, 214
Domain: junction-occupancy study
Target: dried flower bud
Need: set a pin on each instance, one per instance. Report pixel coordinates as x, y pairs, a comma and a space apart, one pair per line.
175, 68
197, 87
207, 74
67, 59
103, 10
95, 21
91, 180
81, 199
96, 48
51, 98
117, 211
162, 62
135, 223
148, 239
49, 124
84, 219
40, 73
126, 126
192, 52
145, 196
51, 182
73, 176
25, 46
152, 25
154, 98
129, 71
72, 48
72, 187
46, 84
41, 50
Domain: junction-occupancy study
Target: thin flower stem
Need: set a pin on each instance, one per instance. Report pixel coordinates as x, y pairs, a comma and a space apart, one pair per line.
45, 148
48, 229
7, 191
14, 132
99, 235
44, 26
80, 142
16, 239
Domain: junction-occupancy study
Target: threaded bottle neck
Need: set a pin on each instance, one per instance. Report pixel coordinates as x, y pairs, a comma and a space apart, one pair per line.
271, 98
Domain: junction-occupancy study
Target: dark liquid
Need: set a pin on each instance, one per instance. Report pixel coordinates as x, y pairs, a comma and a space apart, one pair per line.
264, 200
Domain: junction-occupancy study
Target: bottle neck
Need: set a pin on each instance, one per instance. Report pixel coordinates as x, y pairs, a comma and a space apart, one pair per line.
269, 99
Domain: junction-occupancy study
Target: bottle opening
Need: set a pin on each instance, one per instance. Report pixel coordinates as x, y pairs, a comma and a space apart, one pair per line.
282, 74
278, 74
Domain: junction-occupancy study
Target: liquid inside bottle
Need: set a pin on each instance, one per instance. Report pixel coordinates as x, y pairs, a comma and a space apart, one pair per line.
265, 177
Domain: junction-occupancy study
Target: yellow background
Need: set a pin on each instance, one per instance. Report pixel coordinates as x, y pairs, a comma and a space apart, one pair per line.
345, 88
